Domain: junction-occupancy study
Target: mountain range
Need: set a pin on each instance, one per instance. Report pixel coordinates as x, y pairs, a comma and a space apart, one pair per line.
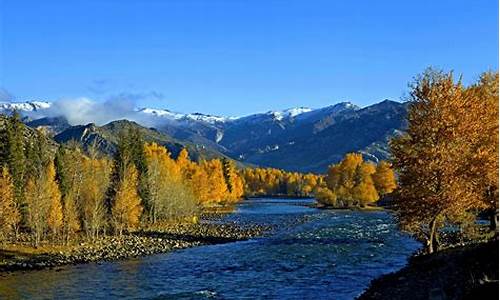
298, 139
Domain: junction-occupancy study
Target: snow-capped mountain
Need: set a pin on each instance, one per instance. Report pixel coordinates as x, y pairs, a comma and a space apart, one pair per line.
299, 138
24, 106
289, 113
165, 113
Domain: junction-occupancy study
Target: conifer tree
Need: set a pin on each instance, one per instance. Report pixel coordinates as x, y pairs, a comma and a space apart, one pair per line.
15, 155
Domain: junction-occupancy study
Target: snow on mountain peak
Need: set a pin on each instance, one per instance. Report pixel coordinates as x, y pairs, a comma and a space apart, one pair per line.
24, 106
165, 113
206, 118
289, 113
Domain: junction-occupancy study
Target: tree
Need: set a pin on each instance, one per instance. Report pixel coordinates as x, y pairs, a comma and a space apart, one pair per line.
127, 208
233, 180
364, 192
51, 190
14, 153
430, 157
36, 211
480, 125
92, 200
326, 197
169, 197
41, 191
384, 179
9, 214
130, 149
69, 175
216, 182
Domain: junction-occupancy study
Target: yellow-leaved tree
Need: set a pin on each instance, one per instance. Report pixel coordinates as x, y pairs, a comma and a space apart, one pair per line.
51, 189
9, 213
234, 181
95, 182
216, 182
384, 179
170, 198
439, 158
126, 210
43, 201
364, 192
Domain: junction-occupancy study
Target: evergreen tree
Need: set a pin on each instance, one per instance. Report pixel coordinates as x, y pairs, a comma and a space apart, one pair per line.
15, 155
130, 149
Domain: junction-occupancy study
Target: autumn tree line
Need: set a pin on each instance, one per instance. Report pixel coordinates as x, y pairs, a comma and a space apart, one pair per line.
446, 164
354, 182
276, 182
57, 194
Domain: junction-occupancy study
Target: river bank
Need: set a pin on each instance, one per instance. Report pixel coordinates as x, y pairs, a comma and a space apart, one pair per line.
467, 272
22, 256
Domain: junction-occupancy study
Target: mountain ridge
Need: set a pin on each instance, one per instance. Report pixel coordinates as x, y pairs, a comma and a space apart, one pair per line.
295, 139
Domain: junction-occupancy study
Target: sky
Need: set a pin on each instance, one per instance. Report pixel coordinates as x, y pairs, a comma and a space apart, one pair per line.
238, 57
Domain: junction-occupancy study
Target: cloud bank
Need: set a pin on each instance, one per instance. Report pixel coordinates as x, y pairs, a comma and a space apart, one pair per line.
83, 110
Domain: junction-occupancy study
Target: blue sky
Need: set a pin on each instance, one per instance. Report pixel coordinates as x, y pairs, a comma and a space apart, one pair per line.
239, 57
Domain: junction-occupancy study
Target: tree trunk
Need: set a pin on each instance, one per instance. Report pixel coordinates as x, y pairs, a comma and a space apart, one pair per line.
494, 220
431, 244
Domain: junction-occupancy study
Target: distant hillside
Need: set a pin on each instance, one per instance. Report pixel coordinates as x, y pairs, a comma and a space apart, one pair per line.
106, 138
312, 145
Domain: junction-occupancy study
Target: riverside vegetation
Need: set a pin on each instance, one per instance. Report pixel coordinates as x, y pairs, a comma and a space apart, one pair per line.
64, 204
61, 200
142, 201
447, 166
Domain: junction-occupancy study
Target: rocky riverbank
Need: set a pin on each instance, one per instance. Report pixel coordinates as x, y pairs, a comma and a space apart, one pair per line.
468, 272
145, 242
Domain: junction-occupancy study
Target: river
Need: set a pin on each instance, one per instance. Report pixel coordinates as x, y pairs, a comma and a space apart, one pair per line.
310, 254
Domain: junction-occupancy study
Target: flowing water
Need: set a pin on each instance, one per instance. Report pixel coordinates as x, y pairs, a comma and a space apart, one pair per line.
311, 254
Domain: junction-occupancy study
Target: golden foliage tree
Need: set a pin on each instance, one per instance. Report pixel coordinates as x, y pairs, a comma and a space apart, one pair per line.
480, 125
36, 208
270, 181
9, 214
127, 208
364, 191
169, 197
95, 182
384, 179
51, 189
194, 176
43, 201
216, 182
326, 197
234, 182
353, 181
435, 156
